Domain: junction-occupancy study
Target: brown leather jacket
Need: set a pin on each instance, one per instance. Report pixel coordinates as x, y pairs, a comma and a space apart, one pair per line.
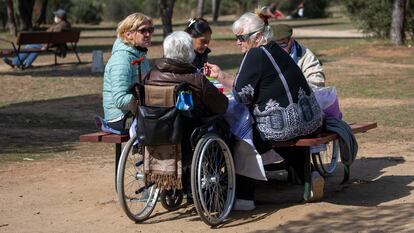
207, 99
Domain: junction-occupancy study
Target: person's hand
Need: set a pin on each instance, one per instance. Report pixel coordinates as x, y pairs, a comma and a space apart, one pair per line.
211, 70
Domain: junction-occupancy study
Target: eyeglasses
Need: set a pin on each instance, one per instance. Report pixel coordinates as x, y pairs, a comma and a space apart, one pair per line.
245, 37
149, 30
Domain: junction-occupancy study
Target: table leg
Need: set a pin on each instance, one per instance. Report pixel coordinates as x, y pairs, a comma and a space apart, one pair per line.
346, 174
307, 175
118, 150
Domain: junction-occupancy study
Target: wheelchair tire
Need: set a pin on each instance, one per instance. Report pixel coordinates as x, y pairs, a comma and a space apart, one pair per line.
213, 179
137, 200
325, 161
171, 199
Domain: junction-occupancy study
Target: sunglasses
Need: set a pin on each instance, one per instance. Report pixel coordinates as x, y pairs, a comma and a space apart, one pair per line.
245, 37
149, 30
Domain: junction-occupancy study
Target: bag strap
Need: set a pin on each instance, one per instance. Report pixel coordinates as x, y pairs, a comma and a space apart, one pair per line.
281, 76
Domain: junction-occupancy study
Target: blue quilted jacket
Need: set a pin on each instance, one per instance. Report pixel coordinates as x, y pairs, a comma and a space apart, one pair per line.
119, 75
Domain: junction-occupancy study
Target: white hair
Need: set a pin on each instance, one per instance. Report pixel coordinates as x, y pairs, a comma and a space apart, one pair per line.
179, 46
250, 22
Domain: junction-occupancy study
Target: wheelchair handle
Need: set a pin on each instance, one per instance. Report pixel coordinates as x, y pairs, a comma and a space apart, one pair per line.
138, 61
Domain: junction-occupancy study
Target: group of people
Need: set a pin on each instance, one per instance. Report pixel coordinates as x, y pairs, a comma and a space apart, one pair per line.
274, 82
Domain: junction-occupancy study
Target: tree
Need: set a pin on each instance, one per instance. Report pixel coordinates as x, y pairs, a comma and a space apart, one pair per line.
166, 12
397, 32
200, 8
26, 12
42, 17
215, 4
11, 21
387, 19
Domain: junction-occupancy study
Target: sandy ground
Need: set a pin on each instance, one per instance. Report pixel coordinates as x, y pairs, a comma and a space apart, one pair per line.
77, 194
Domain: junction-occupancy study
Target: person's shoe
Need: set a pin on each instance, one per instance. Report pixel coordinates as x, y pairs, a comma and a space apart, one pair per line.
244, 205
317, 186
8, 62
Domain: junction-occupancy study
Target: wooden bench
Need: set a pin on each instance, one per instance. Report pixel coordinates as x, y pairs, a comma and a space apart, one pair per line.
49, 38
323, 138
104, 137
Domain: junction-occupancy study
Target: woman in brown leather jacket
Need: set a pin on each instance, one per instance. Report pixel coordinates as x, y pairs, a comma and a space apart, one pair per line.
176, 67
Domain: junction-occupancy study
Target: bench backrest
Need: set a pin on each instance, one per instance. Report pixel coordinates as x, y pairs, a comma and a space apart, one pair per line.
48, 37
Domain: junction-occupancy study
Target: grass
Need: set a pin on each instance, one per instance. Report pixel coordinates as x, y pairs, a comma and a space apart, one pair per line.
45, 109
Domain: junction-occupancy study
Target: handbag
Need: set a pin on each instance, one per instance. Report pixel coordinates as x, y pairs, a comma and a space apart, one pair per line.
159, 125
159, 119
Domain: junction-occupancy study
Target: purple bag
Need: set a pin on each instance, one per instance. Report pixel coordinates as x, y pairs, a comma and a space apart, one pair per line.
328, 101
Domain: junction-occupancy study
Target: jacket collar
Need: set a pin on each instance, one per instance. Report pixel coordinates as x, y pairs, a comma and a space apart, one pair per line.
174, 66
121, 46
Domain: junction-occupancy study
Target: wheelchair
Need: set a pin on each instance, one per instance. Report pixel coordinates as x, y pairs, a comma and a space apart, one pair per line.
327, 158
212, 180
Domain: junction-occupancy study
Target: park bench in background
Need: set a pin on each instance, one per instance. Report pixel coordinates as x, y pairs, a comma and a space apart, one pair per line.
49, 38
324, 137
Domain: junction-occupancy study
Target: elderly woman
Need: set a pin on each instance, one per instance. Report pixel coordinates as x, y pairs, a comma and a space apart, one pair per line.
200, 31
134, 36
175, 68
272, 86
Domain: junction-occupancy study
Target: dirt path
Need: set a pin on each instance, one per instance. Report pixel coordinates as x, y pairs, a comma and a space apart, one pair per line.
77, 195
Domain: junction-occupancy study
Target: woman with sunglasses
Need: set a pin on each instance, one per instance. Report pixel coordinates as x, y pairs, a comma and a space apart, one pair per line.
278, 97
134, 36
200, 31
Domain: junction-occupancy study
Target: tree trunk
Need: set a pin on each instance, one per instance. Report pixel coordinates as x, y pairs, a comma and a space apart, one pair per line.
26, 12
11, 21
216, 9
42, 16
166, 12
200, 8
397, 34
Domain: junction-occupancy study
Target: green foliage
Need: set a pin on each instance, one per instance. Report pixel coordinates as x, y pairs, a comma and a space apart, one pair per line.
117, 11
87, 11
371, 15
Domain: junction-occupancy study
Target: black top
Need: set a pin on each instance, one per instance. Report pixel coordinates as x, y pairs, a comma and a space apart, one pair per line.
277, 95
201, 58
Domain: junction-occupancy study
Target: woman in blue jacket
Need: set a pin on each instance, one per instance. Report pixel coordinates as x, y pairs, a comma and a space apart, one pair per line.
134, 36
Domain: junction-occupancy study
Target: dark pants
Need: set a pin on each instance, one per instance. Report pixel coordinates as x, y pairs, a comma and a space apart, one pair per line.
118, 125
295, 157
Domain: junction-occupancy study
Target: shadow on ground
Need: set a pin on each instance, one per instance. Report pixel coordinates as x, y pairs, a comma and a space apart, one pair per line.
47, 126
368, 189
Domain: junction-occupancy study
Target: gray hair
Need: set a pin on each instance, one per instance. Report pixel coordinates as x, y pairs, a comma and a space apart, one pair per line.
179, 46
250, 22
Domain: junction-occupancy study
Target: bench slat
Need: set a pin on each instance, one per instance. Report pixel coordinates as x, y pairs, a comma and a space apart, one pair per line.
326, 137
92, 137
115, 138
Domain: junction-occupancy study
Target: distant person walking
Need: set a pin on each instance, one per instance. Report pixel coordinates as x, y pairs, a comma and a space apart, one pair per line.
307, 61
26, 59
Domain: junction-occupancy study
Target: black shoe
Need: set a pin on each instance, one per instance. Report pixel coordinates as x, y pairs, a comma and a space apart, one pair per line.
8, 62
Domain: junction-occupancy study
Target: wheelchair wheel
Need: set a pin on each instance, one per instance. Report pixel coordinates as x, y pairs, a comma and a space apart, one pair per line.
171, 199
326, 160
137, 200
213, 179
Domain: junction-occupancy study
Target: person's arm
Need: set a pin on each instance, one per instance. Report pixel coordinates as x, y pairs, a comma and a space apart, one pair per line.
214, 71
248, 77
212, 98
312, 69
120, 76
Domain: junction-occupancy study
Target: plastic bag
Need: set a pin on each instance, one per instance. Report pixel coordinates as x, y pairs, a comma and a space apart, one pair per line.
328, 101
184, 101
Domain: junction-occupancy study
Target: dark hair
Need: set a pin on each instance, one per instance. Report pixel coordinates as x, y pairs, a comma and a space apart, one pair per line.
196, 27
